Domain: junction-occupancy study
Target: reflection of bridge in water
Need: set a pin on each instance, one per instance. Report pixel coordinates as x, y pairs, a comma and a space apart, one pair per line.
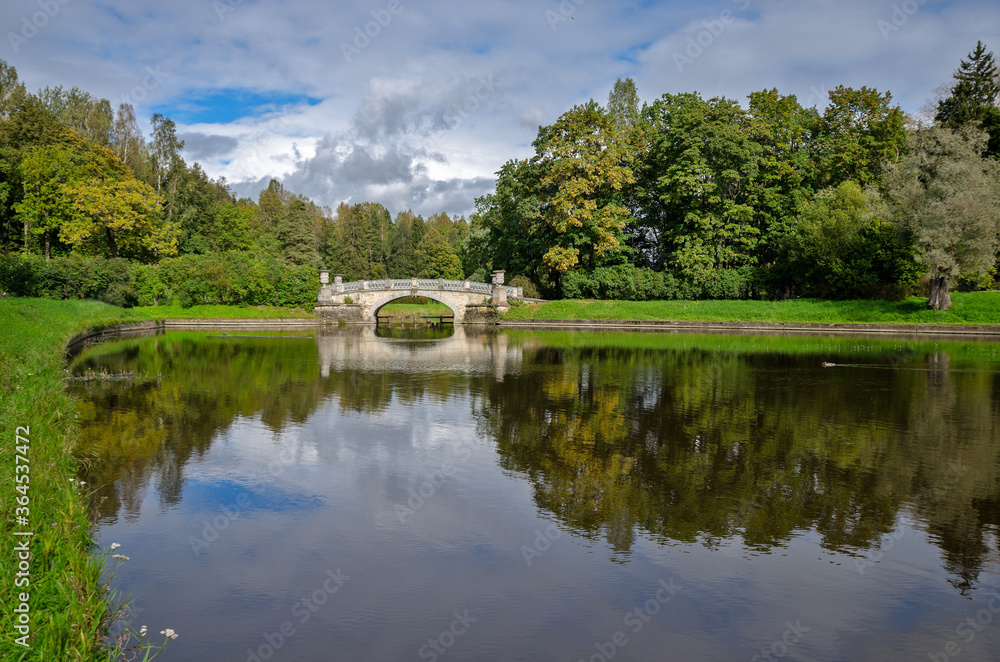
467, 350
367, 297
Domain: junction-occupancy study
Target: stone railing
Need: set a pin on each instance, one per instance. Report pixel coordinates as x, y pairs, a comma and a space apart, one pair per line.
339, 287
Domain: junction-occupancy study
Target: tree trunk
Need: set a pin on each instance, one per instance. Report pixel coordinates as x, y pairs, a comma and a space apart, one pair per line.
939, 299
112, 245
47, 253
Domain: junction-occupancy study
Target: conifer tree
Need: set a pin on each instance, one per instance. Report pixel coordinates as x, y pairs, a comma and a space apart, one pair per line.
974, 98
298, 237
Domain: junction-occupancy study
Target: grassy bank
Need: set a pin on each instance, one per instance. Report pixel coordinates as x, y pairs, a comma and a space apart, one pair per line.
969, 308
67, 603
431, 309
175, 311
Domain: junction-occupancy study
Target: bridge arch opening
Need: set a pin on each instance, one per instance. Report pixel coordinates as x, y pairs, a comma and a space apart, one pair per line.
438, 317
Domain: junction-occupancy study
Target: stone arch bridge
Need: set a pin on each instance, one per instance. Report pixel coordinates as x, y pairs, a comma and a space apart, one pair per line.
360, 300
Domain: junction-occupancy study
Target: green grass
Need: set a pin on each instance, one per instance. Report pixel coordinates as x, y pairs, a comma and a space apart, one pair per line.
174, 311
432, 309
68, 601
968, 308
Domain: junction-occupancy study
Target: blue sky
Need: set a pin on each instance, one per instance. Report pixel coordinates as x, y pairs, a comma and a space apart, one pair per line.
416, 104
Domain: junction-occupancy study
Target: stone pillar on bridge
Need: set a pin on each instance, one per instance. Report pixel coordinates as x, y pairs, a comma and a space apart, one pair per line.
499, 293
325, 291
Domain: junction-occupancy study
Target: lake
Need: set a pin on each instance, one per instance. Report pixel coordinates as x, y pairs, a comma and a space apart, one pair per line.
551, 495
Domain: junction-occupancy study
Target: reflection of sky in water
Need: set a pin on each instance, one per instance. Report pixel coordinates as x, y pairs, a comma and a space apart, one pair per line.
329, 494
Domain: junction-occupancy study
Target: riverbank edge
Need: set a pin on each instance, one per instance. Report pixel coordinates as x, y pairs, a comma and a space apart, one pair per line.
983, 332
845, 328
126, 329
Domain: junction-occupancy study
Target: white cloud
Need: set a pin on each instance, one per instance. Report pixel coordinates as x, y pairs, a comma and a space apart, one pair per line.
408, 120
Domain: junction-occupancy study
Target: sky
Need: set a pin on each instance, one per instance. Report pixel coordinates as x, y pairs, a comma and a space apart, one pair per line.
416, 104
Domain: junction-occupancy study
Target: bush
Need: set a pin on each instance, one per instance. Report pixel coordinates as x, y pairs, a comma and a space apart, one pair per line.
977, 282
234, 278
18, 275
149, 288
576, 285
68, 277
626, 282
528, 288
729, 284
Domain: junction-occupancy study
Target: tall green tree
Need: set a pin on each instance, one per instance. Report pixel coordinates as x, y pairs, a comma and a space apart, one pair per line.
702, 160
585, 165
400, 261
974, 97
623, 104
10, 87
843, 246
785, 173
859, 136
511, 218
437, 256
358, 248
29, 124
127, 141
164, 151
298, 236
81, 111
47, 170
948, 195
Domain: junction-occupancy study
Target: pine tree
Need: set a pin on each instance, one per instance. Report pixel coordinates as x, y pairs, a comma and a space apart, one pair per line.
400, 259
974, 98
298, 237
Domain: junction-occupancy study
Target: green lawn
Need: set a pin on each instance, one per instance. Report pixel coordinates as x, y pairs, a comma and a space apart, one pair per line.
969, 308
174, 311
68, 604
431, 309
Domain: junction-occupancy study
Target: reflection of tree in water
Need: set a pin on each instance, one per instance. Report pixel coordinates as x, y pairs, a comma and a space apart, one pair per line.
693, 445
136, 431
685, 444
957, 485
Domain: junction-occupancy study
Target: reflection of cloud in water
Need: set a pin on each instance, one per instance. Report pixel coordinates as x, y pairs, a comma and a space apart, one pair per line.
210, 496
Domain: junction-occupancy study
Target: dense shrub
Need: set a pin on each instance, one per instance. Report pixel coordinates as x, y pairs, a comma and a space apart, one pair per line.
729, 284
235, 278
626, 282
978, 282
149, 288
841, 249
67, 277
527, 287
238, 278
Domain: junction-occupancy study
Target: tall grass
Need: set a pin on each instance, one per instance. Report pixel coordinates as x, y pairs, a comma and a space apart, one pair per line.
68, 601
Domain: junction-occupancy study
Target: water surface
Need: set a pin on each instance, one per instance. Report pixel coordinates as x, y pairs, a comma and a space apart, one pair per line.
550, 496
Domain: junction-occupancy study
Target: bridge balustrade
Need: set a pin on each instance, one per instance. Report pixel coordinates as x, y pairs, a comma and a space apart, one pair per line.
424, 284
